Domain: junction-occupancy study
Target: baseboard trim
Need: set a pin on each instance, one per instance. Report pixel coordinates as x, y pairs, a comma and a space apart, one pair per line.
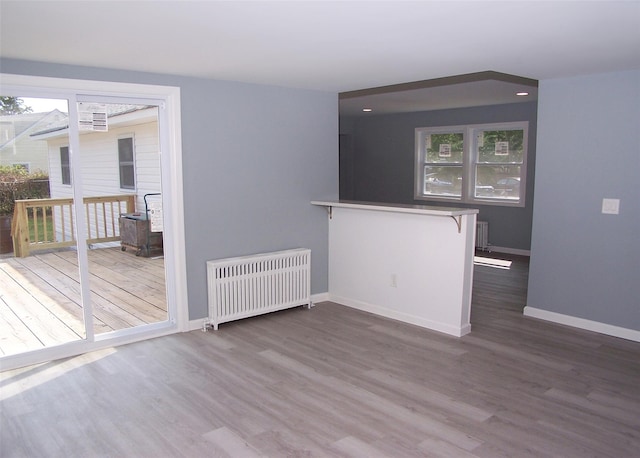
198, 324
322, 297
581, 323
405, 318
195, 324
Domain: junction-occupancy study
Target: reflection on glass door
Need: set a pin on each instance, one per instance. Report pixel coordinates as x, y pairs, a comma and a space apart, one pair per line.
40, 294
122, 193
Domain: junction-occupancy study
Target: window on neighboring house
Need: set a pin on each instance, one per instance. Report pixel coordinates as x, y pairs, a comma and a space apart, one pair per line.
126, 163
23, 165
64, 165
473, 164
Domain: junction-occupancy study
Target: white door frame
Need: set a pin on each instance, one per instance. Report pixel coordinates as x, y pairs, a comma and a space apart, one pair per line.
173, 209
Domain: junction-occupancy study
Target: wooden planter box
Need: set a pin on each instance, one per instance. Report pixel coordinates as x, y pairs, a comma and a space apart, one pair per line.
135, 233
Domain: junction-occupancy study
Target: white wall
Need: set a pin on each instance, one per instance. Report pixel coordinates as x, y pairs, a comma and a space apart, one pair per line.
411, 267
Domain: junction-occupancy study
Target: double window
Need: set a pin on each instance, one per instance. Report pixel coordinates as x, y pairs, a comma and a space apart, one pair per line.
473, 164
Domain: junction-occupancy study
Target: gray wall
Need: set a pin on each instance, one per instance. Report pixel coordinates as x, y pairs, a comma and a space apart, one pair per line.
583, 263
377, 163
253, 158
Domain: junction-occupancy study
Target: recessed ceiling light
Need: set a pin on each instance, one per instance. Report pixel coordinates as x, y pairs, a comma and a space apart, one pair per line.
367, 109
522, 93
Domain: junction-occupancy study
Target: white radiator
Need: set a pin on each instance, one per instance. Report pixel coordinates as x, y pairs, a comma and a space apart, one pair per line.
482, 235
252, 285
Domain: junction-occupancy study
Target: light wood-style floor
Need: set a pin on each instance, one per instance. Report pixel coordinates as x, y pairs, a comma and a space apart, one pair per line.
333, 381
40, 296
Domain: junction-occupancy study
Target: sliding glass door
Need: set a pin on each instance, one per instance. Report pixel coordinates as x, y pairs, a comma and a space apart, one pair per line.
40, 295
122, 193
87, 265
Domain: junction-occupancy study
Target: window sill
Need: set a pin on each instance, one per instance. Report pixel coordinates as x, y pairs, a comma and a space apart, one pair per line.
478, 201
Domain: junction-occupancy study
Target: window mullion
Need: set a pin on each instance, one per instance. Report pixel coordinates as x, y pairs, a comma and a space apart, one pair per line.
468, 177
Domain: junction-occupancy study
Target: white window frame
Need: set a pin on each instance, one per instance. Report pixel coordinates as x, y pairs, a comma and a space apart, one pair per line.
64, 166
470, 163
133, 161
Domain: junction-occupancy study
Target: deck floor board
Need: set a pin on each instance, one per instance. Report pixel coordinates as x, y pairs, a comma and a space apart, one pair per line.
40, 296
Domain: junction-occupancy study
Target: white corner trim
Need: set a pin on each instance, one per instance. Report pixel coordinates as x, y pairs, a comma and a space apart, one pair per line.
321, 297
581, 323
194, 325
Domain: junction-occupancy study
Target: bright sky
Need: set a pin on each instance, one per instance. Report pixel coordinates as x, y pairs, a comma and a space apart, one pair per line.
45, 105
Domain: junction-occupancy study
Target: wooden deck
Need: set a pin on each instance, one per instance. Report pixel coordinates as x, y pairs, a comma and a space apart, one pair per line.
40, 296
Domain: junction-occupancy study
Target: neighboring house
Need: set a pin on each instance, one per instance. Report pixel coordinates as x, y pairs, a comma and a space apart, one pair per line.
122, 160
18, 147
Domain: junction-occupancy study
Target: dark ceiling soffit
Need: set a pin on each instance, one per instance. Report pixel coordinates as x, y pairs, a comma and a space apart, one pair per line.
445, 81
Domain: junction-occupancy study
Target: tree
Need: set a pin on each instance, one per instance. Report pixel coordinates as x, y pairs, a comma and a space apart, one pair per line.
13, 105
17, 183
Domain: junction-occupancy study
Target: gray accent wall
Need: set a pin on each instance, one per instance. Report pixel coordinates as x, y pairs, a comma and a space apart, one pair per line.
254, 157
586, 264
377, 163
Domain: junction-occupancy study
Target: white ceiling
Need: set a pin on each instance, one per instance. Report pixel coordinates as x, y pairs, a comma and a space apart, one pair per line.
325, 45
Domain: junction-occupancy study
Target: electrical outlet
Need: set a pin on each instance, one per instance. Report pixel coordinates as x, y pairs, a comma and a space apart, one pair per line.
394, 281
611, 206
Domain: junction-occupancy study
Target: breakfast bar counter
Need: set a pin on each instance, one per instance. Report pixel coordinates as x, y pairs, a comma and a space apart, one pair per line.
412, 263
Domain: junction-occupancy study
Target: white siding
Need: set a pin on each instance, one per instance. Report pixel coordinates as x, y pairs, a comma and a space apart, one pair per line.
99, 156
100, 168
56, 187
26, 151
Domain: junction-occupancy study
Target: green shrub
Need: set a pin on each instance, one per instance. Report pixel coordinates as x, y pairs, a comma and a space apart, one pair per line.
16, 184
